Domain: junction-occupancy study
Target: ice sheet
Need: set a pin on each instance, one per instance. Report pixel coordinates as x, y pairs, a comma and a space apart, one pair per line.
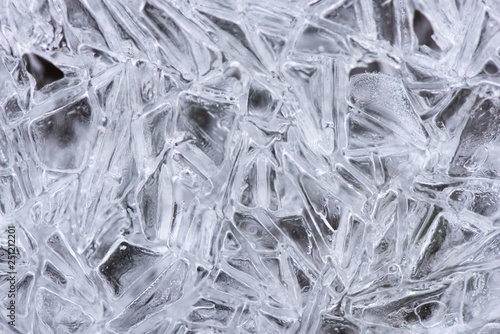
250, 166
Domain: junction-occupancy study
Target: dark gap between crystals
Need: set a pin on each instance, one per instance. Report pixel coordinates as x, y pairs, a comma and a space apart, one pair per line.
42, 70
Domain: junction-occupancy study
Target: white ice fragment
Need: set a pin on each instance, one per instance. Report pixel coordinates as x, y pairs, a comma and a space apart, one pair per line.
384, 98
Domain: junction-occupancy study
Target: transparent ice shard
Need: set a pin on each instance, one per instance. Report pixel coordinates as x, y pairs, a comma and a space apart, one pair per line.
211, 312
97, 249
364, 132
384, 98
226, 283
339, 325
260, 238
304, 281
276, 323
344, 14
352, 180
60, 315
207, 124
151, 201
24, 287
125, 264
80, 17
54, 274
57, 244
298, 231
155, 135
354, 237
12, 196
385, 18
12, 109
481, 129
230, 28
445, 237
317, 40
172, 37
165, 290
478, 304
401, 312
61, 138
244, 265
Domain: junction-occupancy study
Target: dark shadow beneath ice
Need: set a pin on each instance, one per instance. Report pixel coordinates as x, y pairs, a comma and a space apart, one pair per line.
42, 70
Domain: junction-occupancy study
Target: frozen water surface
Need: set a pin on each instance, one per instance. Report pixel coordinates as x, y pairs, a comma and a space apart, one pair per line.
250, 166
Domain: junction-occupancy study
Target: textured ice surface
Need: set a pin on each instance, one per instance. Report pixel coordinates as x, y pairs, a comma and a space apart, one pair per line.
251, 166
